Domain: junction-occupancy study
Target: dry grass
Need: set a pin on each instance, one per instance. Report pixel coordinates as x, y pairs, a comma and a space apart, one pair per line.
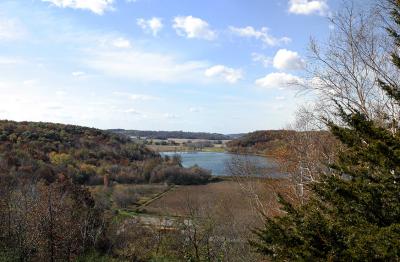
241, 203
224, 212
135, 195
181, 148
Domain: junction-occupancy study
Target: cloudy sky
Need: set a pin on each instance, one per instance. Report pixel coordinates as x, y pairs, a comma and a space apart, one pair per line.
210, 65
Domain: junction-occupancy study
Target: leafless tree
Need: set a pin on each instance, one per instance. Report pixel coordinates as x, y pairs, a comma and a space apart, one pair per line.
308, 152
49, 222
245, 171
344, 71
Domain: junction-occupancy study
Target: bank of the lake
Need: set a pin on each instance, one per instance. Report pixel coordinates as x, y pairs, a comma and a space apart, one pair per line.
178, 149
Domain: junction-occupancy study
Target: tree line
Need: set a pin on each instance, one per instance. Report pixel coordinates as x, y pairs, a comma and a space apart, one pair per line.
163, 135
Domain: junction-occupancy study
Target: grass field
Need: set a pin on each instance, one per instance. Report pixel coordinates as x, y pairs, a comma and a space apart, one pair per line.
239, 203
180, 148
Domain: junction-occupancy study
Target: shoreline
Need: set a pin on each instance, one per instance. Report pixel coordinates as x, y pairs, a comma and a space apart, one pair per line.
214, 151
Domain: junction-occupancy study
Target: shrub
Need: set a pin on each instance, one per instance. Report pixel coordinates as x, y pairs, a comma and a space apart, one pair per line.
180, 176
125, 197
95, 180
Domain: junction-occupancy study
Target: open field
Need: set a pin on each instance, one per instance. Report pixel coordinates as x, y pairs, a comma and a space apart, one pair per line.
227, 200
181, 148
184, 141
237, 201
184, 145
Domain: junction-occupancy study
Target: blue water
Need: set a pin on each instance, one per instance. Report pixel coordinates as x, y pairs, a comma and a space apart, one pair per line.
226, 164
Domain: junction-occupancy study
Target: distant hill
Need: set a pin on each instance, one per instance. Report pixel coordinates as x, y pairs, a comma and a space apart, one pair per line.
36, 151
260, 142
171, 134
47, 151
271, 142
236, 136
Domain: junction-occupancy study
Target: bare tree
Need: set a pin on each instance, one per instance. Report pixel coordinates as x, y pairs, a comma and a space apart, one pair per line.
345, 70
308, 152
49, 222
245, 172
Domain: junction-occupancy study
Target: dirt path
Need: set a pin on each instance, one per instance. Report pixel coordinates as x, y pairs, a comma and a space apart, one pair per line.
158, 196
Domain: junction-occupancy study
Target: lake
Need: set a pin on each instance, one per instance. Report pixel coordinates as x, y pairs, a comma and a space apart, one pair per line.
226, 164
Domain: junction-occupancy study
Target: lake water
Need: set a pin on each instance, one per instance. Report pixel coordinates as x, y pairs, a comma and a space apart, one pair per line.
226, 164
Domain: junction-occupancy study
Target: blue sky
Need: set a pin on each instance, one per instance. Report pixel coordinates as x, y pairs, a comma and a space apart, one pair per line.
210, 65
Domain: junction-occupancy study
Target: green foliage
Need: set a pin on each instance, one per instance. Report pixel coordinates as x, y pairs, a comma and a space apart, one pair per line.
353, 213
61, 159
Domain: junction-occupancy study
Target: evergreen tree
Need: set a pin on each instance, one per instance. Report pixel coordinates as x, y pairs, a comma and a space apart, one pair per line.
354, 213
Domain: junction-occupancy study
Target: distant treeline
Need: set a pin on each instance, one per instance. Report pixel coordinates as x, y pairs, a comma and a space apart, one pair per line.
268, 142
172, 134
259, 141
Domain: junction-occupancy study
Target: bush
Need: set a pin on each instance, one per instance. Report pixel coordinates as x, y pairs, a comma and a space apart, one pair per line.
180, 176
95, 180
102, 200
128, 179
125, 197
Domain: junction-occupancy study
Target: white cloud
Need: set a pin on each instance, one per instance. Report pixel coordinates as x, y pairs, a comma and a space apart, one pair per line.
317, 84
61, 93
195, 109
228, 74
288, 60
132, 111
308, 7
144, 66
4, 60
262, 35
142, 97
110, 55
264, 60
30, 82
11, 29
280, 98
171, 116
153, 25
121, 43
136, 97
54, 106
279, 80
78, 74
96, 6
193, 27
